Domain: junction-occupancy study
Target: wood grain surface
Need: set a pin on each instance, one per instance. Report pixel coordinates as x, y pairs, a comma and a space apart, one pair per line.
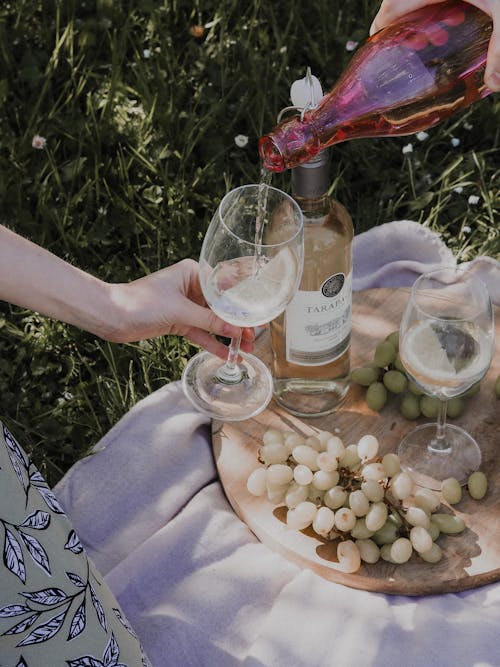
471, 559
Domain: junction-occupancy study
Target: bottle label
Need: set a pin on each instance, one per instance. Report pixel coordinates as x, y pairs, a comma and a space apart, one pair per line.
318, 324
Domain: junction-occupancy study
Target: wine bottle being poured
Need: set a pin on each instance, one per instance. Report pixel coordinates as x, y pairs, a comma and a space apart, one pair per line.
405, 78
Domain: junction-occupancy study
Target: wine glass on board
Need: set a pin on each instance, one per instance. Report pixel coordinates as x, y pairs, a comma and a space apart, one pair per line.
446, 345
251, 263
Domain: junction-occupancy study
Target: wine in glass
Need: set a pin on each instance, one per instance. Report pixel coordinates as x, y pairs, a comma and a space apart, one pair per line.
445, 344
251, 263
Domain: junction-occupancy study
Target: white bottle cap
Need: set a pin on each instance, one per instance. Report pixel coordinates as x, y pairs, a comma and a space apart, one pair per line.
310, 179
307, 92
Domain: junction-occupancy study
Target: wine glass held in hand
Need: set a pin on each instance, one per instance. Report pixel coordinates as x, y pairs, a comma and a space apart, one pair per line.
446, 345
250, 267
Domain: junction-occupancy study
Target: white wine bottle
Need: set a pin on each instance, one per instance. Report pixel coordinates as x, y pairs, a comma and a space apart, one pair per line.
311, 340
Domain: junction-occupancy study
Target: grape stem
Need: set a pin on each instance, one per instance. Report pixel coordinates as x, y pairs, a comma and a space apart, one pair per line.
396, 506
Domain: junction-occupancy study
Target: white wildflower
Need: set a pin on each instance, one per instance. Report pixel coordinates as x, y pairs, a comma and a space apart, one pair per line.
468, 126
241, 140
407, 149
459, 189
473, 200
455, 142
39, 142
467, 229
351, 45
66, 396
147, 53
422, 136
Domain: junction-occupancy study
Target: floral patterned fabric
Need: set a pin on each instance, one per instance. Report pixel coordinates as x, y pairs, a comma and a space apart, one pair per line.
55, 608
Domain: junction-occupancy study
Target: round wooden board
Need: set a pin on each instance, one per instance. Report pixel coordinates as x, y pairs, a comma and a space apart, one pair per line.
471, 559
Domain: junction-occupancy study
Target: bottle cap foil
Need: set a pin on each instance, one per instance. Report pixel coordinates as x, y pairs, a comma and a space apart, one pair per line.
312, 179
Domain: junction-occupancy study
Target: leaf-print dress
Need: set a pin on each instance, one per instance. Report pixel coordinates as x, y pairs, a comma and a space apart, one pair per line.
55, 608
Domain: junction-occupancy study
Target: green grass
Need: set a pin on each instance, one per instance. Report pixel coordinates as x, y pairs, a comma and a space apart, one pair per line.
140, 117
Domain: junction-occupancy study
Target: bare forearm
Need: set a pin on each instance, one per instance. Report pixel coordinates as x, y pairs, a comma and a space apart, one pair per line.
168, 301
34, 278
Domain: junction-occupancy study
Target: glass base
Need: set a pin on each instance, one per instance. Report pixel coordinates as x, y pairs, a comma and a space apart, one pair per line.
227, 400
429, 465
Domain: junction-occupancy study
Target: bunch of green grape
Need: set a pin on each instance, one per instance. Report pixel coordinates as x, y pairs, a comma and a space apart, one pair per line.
353, 495
386, 377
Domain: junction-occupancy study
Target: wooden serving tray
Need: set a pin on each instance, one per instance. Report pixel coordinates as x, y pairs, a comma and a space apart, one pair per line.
471, 559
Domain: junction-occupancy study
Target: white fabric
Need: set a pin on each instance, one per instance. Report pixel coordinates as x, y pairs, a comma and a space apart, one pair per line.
199, 588
395, 254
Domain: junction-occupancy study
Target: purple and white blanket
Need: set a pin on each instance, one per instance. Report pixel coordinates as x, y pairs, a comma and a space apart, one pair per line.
202, 591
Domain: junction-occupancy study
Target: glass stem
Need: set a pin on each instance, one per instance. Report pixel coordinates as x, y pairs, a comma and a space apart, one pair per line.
230, 372
439, 441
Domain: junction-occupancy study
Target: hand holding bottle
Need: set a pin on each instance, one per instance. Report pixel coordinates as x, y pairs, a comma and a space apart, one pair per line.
392, 10
415, 73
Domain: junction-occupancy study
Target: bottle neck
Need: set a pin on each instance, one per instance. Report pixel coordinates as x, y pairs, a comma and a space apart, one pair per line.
275, 147
311, 181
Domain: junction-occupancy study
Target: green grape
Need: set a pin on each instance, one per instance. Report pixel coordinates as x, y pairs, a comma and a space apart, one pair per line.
365, 375
373, 365
455, 407
395, 381
376, 396
385, 353
398, 364
449, 524
434, 554
385, 553
471, 391
394, 339
497, 387
434, 531
414, 388
387, 534
451, 490
410, 406
429, 406
477, 485
401, 550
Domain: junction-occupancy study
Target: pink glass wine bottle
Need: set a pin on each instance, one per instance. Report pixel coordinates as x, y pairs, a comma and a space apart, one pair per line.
407, 77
